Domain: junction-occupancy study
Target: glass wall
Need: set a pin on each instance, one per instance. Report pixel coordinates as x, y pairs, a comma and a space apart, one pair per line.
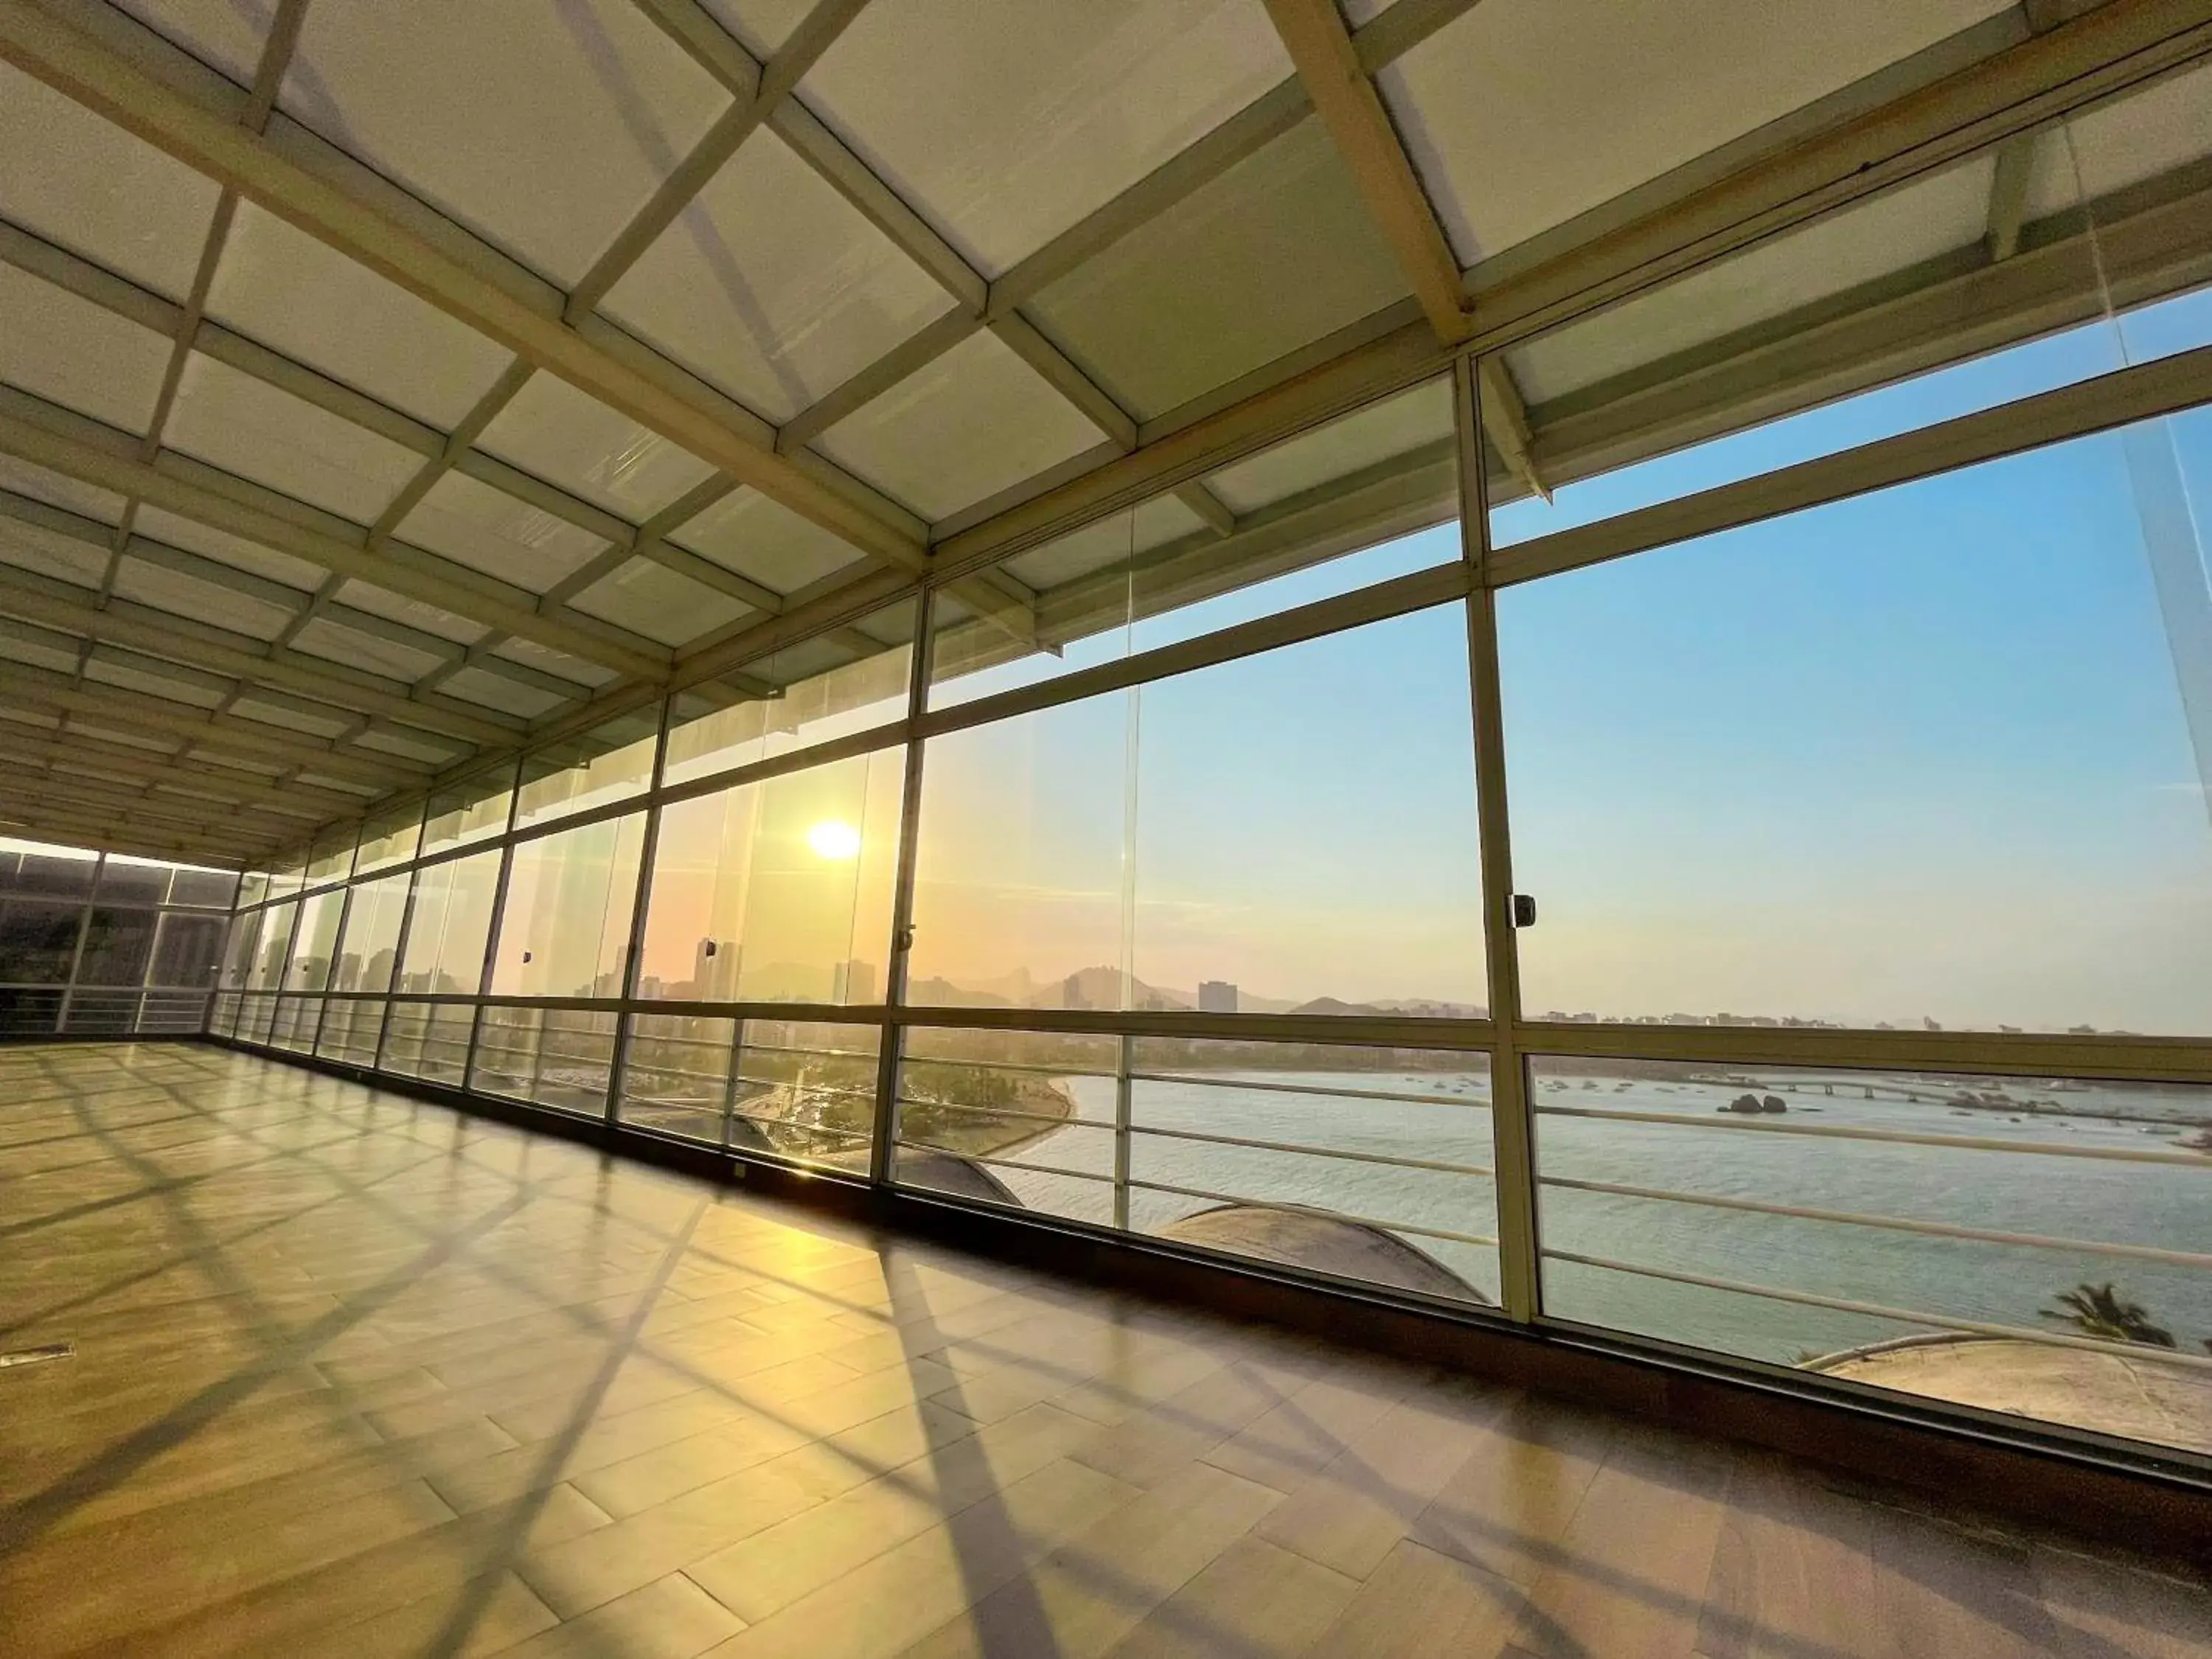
1744, 885
106, 945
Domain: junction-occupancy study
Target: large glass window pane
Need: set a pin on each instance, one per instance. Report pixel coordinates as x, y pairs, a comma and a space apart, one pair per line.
271, 949
333, 855
1364, 498
677, 1075
566, 926
1949, 1235
315, 944
32, 867
389, 839
350, 1031
610, 763
187, 950
806, 1090
779, 891
1289, 832
469, 811
118, 945
210, 890
372, 935
38, 941
427, 1040
1019, 1118
134, 881
851, 679
1933, 756
556, 1057
452, 924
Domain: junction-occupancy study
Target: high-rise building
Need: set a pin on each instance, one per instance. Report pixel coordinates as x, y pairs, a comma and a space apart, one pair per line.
1216, 996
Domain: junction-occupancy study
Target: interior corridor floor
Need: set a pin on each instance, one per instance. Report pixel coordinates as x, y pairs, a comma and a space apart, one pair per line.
356, 1374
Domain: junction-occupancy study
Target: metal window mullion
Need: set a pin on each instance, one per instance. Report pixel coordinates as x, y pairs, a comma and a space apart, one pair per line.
1123, 1091
399, 966
77, 952
901, 941
1512, 1129
490, 956
633, 952
337, 945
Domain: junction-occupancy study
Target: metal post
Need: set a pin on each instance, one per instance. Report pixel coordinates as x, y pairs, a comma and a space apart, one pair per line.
490, 955
1122, 1092
76, 955
901, 941
1511, 1125
730, 1080
633, 952
399, 966
331, 974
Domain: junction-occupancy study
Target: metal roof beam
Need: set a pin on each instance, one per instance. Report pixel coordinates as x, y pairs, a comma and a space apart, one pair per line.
47, 435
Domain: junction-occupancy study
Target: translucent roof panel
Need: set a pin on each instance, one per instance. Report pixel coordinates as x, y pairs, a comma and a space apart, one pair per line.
1526, 113
973, 423
26, 478
247, 427
72, 352
497, 691
336, 643
492, 532
157, 525
585, 675
204, 601
2123, 142
543, 128
394, 607
748, 533
285, 289
35, 547
775, 321
1888, 233
1408, 429
1005, 121
648, 599
87, 185
1276, 254
1104, 544
555, 431
221, 34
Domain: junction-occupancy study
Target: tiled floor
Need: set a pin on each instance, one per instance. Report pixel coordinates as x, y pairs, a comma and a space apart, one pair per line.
356, 1376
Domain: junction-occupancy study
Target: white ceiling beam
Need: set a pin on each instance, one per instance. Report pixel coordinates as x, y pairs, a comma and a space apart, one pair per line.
1505, 418
1314, 33
501, 306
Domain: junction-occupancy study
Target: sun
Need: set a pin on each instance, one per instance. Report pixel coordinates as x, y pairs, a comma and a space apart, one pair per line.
834, 839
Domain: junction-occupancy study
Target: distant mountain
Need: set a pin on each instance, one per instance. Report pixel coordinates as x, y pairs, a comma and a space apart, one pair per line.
943, 994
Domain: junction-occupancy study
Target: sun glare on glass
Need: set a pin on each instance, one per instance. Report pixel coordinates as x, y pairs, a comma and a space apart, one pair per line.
831, 839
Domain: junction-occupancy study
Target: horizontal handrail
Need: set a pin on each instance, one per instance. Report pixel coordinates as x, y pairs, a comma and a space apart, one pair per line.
1305, 1088
1313, 1210
912, 1059
1899, 1315
1058, 1122
1971, 1143
1895, 1224
994, 1162
1306, 1151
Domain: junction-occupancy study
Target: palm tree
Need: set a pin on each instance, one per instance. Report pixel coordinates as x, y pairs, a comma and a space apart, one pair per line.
2100, 1311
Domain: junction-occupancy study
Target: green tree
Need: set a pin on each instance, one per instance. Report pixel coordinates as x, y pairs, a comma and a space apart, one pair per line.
2102, 1310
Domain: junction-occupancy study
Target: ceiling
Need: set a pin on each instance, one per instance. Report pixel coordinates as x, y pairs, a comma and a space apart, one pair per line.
390, 385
